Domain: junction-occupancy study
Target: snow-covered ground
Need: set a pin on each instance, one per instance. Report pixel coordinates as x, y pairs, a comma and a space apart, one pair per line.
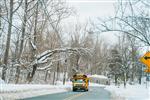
12, 91
96, 85
131, 92
20, 91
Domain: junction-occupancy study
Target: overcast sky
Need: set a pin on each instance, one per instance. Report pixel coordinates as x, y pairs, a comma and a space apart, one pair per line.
92, 9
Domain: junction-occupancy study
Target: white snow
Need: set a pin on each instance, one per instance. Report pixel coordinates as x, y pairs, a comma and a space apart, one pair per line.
44, 53
131, 92
96, 85
20, 91
46, 67
98, 76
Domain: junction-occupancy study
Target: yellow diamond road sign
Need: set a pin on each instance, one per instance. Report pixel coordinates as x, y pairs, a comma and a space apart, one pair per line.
146, 60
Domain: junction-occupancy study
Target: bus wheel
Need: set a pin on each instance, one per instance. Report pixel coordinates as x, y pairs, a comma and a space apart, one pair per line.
74, 89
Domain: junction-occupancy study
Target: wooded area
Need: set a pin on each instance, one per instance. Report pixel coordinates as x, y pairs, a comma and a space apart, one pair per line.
35, 49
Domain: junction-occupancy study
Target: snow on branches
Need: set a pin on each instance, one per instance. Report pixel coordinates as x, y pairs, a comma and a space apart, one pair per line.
43, 57
47, 55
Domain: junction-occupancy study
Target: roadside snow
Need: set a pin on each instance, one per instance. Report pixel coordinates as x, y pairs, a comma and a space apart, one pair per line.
20, 91
98, 76
96, 85
12, 91
131, 92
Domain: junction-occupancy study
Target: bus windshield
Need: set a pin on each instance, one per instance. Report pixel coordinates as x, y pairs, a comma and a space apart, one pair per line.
79, 81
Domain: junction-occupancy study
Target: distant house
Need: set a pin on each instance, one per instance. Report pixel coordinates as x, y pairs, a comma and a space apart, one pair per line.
100, 79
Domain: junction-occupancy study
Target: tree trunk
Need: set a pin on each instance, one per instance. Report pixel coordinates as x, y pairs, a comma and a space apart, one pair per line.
140, 76
57, 76
30, 77
16, 55
140, 81
46, 76
125, 79
33, 49
11, 79
31, 74
64, 78
34, 70
6, 54
23, 29
54, 78
116, 80
132, 75
77, 62
22, 40
65, 70
17, 74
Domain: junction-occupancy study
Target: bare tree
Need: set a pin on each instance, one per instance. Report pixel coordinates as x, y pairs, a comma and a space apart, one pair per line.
6, 54
8, 41
130, 21
22, 38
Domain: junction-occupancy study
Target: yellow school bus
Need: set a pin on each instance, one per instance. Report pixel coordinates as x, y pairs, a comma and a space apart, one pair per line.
80, 82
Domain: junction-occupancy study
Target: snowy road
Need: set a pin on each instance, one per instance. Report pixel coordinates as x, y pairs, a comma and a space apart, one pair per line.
95, 93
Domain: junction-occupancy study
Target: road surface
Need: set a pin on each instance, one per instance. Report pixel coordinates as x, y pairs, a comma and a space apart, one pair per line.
95, 93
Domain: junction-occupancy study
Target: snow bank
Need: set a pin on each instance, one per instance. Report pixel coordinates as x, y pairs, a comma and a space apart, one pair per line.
20, 91
98, 76
96, 85
12, 91
131, 92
